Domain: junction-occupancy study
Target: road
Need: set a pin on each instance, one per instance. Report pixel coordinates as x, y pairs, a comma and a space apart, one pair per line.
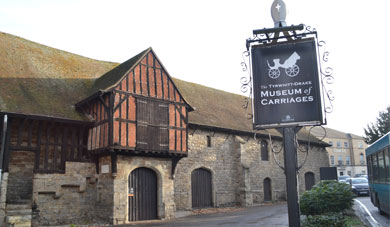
266, 215
381, 219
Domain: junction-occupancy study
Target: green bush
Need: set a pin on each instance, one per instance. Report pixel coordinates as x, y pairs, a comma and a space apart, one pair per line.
327, 196
325, 220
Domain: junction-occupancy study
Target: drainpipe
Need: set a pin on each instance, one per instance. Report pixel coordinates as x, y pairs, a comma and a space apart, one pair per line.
3, 147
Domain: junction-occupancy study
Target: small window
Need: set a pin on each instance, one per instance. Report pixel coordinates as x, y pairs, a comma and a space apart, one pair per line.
264, 150
208, 141
346, 144
332, 160
360, 144
349, 173
331, 143
338, 144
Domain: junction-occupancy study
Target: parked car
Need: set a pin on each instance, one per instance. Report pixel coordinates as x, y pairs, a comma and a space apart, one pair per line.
343, 178
359, 186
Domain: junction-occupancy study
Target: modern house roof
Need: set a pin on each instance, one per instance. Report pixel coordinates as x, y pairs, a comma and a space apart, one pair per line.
40, 80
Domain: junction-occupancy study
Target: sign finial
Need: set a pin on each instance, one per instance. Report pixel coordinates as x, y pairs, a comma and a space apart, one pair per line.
278, 13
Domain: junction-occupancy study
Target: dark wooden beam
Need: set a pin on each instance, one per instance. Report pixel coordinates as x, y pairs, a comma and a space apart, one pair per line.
111, 118
38, 151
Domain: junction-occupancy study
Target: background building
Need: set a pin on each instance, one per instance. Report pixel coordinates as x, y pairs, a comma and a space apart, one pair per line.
347, 151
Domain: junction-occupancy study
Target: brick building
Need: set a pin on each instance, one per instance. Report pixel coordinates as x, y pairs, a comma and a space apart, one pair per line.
91, 141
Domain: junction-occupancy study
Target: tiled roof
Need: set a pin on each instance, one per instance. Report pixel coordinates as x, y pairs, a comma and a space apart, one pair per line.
39, 80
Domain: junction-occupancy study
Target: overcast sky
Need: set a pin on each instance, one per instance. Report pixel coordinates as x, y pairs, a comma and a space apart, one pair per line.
202, 41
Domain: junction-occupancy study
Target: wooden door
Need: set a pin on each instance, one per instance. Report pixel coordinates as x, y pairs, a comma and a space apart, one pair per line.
201, 185
309, 180
267, 189
142, 194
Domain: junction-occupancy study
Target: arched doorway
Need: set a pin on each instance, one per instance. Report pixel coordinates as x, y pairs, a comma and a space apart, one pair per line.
267, 189
201, 186
142, 194
309, 180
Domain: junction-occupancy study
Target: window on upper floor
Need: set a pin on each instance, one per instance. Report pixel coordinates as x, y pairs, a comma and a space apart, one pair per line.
346, 144
331, 143
332, 160
340, 160
152, 125
360, 145
348, 161
338, 144
264, 150
361, 158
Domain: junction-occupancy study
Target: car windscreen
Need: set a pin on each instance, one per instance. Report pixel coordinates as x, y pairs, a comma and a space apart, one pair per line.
359, 181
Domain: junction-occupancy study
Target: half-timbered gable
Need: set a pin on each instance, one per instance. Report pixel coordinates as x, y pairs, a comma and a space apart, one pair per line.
138, 108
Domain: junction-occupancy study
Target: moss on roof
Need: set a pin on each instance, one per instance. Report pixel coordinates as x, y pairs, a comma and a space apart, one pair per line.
36, 79
39, 80
113, 76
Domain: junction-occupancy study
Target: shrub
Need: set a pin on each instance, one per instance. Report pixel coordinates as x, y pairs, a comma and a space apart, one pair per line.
327, 196
325, 220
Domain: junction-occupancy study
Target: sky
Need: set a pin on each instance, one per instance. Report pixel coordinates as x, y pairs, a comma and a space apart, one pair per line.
202, 41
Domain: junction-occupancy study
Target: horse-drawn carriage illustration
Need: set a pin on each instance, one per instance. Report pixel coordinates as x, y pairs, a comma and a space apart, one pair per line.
289, 65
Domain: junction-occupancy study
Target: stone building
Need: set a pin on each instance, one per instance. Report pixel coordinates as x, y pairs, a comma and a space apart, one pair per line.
90, 141
347, 151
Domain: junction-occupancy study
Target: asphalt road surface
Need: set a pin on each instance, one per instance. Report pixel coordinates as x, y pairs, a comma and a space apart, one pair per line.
267, 215
384, 220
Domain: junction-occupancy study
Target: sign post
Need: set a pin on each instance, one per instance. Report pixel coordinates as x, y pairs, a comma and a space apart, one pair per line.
286, 90
290, 167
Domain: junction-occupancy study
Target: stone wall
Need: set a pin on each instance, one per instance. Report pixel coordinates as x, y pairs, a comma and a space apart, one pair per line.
80, 195
68, 198
20, 180
221, 159
238, 172
105, 190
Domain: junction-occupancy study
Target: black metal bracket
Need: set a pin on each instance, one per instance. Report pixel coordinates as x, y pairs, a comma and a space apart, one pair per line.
272, 35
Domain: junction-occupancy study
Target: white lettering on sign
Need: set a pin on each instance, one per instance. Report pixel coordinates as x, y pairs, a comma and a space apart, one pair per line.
276, 94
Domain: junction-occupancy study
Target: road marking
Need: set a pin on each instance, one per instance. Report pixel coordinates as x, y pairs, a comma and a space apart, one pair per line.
368, 212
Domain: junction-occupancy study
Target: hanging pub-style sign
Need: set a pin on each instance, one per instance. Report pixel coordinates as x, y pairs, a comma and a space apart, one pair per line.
286, 90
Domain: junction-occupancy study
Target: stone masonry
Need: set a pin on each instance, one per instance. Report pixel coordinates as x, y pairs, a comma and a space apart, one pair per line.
237, 170
81, 195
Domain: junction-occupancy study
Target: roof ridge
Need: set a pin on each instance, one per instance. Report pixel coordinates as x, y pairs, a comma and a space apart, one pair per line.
115, 75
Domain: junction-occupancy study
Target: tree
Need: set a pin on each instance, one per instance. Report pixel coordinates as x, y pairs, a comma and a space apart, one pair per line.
381, 127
